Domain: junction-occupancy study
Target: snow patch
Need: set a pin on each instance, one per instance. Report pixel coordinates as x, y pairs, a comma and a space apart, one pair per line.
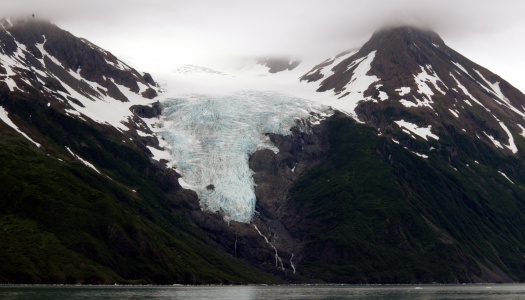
403, 91
459, 66
408, 132
407, 103
4, 117
119, 64
493, 88
72, 112
159, 154
9, 64
10, 83
494, 141
184, 184
85, 162
356, 87
522, 130
496, 91
466, 92
355, 63
332, 62
419, 154
423, 132
419, 103
141, 133
505, 175
383, 96
454, 113
512, 146
423, 78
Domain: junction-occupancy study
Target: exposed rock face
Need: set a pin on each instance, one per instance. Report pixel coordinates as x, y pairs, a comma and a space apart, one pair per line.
147, 77
149, 93
277, 65
146, 111
274, 175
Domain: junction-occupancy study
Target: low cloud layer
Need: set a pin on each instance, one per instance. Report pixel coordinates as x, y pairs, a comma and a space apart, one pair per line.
160, 33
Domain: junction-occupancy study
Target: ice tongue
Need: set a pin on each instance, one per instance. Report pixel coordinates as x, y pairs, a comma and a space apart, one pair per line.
212, 137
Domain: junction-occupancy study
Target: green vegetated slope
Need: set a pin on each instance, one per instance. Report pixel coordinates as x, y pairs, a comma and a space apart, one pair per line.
378, 213
62, 222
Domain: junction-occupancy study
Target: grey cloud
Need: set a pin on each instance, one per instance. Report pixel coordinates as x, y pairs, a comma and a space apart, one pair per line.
196, 29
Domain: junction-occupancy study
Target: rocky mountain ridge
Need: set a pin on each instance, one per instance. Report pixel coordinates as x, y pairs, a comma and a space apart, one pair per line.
417, 78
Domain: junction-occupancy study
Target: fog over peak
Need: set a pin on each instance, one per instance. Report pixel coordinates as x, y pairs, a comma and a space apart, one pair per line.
160, 34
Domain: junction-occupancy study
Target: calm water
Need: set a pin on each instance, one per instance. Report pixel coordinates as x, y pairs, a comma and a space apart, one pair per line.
497, 291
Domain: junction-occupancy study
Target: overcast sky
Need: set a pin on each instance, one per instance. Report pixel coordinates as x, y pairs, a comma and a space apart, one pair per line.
158, 35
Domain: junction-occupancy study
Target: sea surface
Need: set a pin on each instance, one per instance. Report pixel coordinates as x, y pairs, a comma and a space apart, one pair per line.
474, 291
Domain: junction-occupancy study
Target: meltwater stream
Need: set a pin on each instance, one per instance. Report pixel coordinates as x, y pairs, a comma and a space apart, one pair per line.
212, 137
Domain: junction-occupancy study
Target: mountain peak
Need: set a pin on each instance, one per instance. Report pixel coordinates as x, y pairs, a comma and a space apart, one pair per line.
72, 73
412, 32
407, 34
411, 73
8, 22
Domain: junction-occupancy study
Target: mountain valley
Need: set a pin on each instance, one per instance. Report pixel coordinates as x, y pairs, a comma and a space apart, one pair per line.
399, 162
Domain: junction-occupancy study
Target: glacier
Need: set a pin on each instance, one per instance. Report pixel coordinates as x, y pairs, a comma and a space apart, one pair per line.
211, 138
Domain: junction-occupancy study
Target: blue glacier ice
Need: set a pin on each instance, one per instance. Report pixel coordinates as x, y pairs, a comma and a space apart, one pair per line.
212, 137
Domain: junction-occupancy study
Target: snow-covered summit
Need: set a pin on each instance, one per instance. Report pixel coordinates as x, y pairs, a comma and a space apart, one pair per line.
409, 74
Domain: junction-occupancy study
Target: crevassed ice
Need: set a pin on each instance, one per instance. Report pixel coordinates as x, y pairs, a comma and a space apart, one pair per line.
212, 137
